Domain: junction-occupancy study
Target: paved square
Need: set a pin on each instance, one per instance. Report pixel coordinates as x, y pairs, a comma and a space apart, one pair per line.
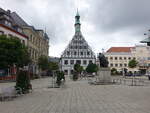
79, 97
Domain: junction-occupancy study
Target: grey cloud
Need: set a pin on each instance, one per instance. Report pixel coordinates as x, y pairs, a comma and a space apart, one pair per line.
115, 15
128, 18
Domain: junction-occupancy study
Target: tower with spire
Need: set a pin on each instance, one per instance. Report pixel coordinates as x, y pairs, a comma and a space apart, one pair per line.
77, 51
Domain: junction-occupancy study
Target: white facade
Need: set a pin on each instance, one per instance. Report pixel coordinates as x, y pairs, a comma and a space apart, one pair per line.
68, 67
10, 32
78, 51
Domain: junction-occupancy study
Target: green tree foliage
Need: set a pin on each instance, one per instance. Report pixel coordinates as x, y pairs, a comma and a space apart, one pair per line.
53, 66
77, 67
91, 68
60, 76
23, 81
12, 51
77, 70
132, 63
114, 71
43, 62
81, 69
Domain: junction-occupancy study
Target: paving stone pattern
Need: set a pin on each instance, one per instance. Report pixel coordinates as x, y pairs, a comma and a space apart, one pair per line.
79, 97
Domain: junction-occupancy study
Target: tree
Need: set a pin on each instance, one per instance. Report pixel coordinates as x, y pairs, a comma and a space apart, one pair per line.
12, 51
53, 66
114, 71
133, 63
80, 69
23, 81
60, 76
91, 68
77, 70
43, 62
77, 67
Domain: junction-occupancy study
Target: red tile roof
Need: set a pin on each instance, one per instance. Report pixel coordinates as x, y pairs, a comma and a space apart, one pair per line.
119, 49
10, 29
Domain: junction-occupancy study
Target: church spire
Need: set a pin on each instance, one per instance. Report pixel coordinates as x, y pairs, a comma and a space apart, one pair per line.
77, 22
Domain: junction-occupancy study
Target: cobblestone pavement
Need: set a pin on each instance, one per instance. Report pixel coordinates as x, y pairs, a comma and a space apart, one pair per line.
80, 97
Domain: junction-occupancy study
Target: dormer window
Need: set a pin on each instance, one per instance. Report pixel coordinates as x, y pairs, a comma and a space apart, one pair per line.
19, 30
7, 23
68, 53
1, 32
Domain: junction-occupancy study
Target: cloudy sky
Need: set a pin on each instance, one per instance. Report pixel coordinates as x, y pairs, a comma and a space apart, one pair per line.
105, 23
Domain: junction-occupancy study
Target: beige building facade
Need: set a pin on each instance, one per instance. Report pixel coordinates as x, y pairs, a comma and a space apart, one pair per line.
38, 45
119, 58
37, 41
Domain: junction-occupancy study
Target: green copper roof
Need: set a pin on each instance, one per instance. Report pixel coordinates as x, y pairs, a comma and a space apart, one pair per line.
77, 13
145, 40
77, 18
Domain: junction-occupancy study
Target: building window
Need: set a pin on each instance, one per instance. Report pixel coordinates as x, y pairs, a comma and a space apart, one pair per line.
23, 41
1, 32
111, 58
81, 53
116, 58
116, 65
68, 53
85, 47
90, 61
88, 53
66, 72
71, 71
125, 65
75, 53
71, 61
66, 62
129, 58
71, 47
120, 58
111, 65
125, 58
120, 65
78, 61
84, 62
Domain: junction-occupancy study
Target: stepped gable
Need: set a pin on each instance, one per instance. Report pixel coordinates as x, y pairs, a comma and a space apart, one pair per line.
78, 46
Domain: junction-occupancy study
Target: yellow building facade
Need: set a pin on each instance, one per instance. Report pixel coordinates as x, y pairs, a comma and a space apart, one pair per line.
38, 45
119, 58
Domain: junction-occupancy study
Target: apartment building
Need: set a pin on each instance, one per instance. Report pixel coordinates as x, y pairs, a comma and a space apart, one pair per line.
119, 57
36, 40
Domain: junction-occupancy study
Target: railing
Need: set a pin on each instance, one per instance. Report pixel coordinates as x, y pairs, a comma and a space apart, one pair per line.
132, 81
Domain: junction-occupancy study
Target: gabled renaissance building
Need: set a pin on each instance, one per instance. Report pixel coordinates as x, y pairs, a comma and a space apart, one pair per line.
77, 51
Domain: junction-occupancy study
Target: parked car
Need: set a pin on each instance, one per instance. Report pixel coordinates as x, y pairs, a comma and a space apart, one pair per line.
137, 74
128, 74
